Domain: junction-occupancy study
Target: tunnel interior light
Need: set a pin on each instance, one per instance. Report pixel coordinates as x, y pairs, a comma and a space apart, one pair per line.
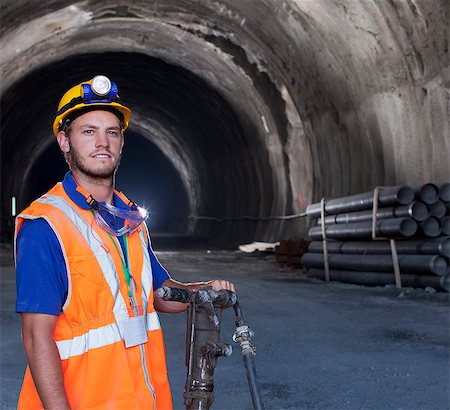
13, 206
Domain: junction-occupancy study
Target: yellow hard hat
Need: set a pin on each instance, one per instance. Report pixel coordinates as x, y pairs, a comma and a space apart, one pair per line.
98, 93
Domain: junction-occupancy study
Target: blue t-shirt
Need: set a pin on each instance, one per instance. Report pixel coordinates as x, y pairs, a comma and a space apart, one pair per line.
41, 275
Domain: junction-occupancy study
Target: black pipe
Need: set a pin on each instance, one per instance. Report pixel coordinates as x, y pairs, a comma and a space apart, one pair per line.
416, 210
438, 246
444, 192
379, 279
423, 264
445, 282
431, 227
438, 209
428, 193
402, 195
445, 226
243, 336
390, 228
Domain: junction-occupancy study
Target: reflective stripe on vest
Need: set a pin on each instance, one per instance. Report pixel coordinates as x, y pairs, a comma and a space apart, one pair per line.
102, 336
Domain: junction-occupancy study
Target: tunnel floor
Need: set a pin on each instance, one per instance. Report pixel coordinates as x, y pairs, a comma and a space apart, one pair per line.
319, 345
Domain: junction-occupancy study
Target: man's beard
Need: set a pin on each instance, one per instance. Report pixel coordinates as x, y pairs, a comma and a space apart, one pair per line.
77, 162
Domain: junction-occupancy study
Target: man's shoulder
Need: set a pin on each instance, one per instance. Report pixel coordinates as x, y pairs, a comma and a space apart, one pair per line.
36, 228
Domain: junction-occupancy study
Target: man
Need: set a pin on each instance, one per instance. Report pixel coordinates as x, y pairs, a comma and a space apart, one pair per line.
86, 273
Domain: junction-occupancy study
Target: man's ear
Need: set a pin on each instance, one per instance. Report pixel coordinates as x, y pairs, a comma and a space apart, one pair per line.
63, 142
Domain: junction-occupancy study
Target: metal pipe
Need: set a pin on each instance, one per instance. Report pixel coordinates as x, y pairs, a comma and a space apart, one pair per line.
402, 195
438, 209
389, 228
445, 226
428, 193
379, 279
431, 227
437, 246
423, 264
444, 192
416, 210
445, 282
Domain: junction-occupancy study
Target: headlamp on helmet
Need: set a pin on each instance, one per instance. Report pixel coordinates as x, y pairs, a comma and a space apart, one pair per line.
101, 89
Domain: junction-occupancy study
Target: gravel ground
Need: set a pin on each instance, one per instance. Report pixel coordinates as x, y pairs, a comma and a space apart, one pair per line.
319, 345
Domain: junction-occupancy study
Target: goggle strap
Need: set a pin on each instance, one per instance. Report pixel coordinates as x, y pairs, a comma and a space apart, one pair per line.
126, 200
92, 202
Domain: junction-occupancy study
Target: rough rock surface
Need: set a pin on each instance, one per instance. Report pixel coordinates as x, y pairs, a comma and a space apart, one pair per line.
256, 107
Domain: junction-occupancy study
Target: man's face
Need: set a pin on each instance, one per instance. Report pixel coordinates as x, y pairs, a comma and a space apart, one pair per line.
95, 144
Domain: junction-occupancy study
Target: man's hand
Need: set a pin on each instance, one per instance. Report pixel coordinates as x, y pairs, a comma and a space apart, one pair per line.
220, 284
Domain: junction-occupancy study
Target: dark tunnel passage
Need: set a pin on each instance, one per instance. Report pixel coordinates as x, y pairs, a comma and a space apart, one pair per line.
186, 154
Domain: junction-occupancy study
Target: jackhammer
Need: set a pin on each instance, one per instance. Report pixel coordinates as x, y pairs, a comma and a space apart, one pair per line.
203, 346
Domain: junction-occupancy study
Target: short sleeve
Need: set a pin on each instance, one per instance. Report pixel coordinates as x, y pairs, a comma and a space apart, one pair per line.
41, 274
160, 273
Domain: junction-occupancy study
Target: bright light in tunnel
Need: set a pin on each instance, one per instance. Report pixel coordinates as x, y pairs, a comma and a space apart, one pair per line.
13, 206
143, 211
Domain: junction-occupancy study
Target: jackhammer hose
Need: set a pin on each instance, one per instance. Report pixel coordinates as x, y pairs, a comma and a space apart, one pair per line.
243, 337
250, 370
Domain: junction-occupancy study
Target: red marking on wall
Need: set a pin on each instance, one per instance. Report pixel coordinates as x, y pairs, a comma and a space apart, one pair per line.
300, 201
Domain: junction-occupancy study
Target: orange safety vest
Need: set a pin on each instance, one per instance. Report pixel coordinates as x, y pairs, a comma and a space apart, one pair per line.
99, 371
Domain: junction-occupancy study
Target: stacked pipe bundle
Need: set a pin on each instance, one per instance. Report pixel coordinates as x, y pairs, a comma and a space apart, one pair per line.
359, 229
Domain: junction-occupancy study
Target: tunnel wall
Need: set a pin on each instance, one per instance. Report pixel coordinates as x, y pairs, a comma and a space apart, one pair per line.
296, 100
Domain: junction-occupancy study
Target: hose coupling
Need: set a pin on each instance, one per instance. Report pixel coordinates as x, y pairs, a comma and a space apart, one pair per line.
243, 336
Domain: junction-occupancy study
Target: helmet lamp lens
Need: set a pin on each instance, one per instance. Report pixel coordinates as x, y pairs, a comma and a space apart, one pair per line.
101, 85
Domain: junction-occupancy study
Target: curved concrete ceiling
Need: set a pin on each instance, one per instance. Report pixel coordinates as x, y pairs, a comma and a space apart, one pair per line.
260, 106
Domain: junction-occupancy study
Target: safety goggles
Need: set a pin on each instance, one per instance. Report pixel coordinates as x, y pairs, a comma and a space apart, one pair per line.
127, 219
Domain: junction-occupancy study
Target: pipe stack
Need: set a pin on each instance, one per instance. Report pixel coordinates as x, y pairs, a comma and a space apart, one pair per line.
359, 248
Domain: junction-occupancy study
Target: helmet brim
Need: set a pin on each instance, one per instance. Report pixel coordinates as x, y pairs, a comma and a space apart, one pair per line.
83, 108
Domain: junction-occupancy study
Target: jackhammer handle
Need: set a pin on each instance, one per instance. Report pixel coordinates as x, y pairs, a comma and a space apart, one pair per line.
223, 298
174, 294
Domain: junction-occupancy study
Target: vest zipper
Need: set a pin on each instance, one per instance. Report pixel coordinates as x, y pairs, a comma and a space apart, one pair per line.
141, 346
146, 375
